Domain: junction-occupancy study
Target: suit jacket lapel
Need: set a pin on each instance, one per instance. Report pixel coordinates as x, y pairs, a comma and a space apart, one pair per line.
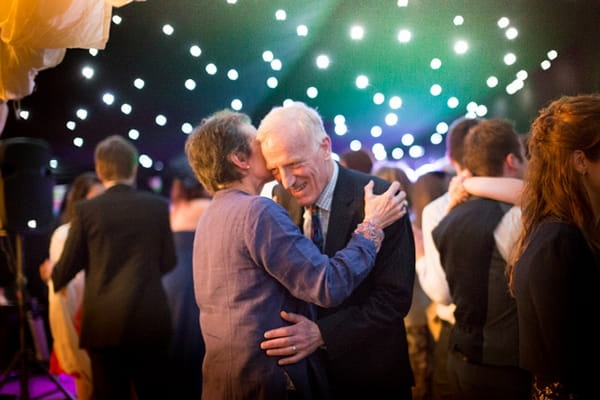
346, 212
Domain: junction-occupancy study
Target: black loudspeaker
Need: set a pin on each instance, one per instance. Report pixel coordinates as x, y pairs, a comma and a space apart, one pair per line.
26, 185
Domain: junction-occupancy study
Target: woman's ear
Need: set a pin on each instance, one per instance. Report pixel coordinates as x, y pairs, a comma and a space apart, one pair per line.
239, 160
580, 162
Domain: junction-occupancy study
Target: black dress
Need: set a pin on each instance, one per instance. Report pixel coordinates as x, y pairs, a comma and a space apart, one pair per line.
187, 349
556, 282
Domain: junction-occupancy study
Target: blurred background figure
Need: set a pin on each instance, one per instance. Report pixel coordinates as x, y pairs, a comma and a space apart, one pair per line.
64, 307
358, 160
420, 319
122, 238
188, 200
426, 188
431, 273
396, 174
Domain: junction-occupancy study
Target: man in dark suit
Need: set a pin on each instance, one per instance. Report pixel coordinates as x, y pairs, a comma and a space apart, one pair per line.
123, 241
363, 339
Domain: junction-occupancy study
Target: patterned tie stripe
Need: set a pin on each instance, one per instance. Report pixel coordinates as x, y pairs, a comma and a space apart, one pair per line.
315, 233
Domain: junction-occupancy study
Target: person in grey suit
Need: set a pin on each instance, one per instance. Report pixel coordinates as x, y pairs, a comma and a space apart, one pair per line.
364, 338
123, 241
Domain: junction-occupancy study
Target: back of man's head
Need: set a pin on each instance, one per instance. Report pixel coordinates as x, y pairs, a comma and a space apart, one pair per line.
456, 136
488, 144
116, 159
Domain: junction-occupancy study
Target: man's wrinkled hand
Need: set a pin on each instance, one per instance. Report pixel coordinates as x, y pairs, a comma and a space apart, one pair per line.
293, 342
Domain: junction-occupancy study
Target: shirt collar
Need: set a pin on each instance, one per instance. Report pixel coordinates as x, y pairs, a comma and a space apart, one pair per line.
326, 197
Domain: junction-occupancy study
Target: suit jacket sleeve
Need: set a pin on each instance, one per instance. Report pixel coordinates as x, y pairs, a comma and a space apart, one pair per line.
384, 298
74, 255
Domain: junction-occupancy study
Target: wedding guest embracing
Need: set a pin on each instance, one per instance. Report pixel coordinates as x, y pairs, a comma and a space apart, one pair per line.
251, 263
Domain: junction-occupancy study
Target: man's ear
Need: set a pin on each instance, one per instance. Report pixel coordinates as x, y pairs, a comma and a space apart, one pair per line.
512, 161
98, 173
326, 146
580, 162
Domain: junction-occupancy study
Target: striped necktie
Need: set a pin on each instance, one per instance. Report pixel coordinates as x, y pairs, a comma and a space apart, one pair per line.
316, 233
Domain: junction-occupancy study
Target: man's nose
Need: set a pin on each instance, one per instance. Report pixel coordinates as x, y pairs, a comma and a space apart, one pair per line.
287, 179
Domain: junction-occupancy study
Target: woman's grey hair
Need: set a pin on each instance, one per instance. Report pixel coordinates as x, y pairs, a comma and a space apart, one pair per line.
212, 142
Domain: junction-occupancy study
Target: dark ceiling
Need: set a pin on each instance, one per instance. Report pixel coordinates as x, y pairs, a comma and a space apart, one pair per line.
236, 35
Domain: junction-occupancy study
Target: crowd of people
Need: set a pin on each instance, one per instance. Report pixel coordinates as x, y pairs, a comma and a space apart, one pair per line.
348, 282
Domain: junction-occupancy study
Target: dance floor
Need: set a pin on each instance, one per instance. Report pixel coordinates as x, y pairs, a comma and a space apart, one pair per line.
40, 387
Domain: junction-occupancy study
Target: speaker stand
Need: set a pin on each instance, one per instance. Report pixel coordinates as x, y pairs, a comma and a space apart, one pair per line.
25, 357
